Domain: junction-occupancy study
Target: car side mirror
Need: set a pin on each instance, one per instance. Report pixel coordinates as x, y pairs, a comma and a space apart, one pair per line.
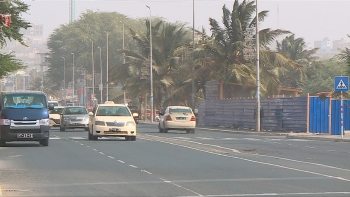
91, 113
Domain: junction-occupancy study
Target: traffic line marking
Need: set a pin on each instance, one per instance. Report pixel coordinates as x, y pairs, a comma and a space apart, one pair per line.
146, 171
133, 166
121, 161
111, 157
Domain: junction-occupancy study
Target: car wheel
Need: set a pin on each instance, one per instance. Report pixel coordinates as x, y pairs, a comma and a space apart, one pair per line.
133, 138
86, 128
62, 128
44, 142
127, 138
192, 131
2, 143
160, 129
188, 130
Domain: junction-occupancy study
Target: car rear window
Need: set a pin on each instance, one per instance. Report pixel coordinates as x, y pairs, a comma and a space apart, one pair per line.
180, 110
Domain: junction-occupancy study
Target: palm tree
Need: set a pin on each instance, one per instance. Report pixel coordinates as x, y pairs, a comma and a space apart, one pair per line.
295, 49
167, 38
225, 49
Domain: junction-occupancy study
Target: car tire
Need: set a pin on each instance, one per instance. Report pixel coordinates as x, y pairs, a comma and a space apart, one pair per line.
2, 143
86, 128
188, 130
44, 142
192, 131
127, 138
165, 130
160, 129
62, 128
132, 138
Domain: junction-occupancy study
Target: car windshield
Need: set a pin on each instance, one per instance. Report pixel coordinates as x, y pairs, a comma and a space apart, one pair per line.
180, 110
54, 103
56, 111
24, 101
75, 110
113, 111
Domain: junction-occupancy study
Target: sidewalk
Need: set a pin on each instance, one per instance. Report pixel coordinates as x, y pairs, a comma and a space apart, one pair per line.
289, 135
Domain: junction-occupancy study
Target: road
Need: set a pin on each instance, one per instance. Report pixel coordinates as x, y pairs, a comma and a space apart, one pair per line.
207, 163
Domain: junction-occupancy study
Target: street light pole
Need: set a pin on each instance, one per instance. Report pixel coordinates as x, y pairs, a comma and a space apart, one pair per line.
193, 104
93, 70
101, 85
73, 80
107, 70
257, 70
151, 69
123, 53
64, 81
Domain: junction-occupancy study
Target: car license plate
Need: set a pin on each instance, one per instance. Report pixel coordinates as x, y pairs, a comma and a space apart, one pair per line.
113, 129
180, 118
25, 135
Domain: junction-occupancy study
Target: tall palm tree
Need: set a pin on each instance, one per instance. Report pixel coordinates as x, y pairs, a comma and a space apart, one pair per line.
295, 49
167, 38
225, 49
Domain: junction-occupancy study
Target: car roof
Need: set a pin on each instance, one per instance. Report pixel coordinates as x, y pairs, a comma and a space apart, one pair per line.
185, 107
23, 91
74, 106
112, 105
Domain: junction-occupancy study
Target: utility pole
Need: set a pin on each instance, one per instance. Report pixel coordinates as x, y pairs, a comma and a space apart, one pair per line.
257, 69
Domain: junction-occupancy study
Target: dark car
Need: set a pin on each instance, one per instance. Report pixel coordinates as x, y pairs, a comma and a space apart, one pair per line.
136, 113
24, 117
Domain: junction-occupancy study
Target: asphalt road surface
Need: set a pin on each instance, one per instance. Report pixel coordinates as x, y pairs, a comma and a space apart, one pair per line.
206, 163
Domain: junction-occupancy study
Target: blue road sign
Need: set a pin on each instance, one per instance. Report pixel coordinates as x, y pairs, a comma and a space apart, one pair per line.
341, 83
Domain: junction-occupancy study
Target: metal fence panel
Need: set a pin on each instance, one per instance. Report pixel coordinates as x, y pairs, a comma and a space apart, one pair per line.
319, 115
280, 114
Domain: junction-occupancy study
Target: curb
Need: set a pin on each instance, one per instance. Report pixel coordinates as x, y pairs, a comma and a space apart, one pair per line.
330, 139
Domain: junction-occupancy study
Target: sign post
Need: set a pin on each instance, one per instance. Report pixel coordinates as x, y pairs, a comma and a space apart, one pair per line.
341, 84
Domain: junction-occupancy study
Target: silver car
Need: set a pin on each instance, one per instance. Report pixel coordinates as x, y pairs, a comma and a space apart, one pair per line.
73, 117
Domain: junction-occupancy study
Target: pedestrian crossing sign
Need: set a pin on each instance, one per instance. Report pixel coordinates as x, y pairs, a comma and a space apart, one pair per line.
341, 83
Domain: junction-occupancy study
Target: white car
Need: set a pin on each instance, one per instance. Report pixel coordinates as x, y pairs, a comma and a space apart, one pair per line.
55, 116
177, 118
112, 120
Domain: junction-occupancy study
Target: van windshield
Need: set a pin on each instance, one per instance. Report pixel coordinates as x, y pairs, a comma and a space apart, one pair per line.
24, 101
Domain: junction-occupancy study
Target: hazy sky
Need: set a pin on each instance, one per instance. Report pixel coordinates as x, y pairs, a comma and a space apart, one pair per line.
310, 19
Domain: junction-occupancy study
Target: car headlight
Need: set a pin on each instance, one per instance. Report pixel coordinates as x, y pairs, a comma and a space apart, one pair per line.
85, 119
99, 123
66, 119
5, 122
130, 123
44, 122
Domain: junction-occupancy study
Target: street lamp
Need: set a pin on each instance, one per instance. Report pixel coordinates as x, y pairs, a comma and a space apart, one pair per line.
192, 95
73, 79
257, 70
123, 53
107, 70
64, 81
93, 70
101, 85
151, 69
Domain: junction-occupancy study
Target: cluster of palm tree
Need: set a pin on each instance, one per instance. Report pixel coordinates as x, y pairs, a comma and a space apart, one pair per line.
176, 63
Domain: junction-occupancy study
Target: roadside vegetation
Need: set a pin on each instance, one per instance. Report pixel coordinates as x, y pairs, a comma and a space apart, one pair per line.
285, 60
